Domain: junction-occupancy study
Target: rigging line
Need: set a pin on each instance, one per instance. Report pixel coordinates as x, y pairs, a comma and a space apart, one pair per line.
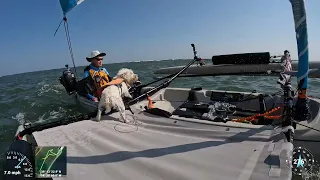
297, 139
306, 126
58, 27
297, 122
66, 28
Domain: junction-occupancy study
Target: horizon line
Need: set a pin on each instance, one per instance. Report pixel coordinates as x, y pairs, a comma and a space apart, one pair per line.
137, 61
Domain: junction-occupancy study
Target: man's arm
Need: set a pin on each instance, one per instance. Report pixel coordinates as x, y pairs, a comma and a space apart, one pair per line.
90, 96
86, 74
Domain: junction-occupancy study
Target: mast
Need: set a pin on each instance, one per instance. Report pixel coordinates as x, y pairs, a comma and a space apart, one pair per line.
300, 22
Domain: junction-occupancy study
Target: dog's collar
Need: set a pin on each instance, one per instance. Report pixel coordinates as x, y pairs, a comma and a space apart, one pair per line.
120, 85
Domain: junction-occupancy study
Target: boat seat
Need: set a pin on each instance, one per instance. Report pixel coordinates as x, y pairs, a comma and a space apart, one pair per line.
85, 86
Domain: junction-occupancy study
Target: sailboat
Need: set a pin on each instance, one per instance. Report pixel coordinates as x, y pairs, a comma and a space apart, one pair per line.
181, 133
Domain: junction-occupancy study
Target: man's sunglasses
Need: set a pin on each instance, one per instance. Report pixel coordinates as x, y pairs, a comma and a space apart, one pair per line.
99, 59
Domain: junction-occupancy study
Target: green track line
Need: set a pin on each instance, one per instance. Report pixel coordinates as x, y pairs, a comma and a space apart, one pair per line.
50, 153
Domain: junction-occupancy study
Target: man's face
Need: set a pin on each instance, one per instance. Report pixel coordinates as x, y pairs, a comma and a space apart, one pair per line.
97, 62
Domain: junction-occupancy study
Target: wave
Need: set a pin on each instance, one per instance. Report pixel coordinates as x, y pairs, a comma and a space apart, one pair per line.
19, 118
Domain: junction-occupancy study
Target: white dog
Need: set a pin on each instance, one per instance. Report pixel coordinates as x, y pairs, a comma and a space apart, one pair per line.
112, 95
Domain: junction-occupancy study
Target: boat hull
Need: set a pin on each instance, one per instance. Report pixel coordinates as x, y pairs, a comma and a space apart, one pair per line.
86, 103
303, 136
172, 147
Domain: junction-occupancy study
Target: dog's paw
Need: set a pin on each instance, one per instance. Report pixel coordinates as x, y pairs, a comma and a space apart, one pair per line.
98, 118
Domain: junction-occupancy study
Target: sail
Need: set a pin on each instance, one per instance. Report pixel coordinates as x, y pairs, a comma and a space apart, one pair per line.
300, 21
68, 5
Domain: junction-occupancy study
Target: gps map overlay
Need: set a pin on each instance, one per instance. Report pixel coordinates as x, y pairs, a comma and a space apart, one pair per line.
50, 161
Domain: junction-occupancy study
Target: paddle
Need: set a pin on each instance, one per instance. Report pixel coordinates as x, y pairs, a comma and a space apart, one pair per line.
162, 78
195, 58
166, 83
223, 74
29, 129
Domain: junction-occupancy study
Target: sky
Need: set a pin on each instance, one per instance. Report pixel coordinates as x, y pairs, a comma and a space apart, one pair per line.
135, 30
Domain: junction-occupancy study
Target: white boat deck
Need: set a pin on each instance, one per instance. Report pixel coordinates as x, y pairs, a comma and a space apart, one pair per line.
161, 148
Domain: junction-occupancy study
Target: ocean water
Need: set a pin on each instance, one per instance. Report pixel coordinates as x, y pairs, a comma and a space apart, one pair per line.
39, 96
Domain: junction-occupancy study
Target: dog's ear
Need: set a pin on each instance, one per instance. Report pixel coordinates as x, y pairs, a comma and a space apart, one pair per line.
129, 76
134, 78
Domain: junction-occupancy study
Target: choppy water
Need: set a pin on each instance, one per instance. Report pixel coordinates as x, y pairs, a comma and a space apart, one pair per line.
39, 96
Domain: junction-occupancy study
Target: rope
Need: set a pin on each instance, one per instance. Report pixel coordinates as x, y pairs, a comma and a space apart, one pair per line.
58, 28
66, 28
306, 126
134, 123
265, 115
254, 117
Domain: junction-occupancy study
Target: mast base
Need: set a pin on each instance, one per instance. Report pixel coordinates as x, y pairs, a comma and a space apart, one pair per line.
302, 110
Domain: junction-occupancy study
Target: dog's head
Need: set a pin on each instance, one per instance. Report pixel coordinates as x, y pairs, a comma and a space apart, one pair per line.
128, 75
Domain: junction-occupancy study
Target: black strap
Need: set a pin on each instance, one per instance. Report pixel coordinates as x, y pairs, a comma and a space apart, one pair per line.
109, 77
86, 69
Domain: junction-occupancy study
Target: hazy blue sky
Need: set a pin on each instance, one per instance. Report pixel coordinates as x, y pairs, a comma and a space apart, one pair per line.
129, 30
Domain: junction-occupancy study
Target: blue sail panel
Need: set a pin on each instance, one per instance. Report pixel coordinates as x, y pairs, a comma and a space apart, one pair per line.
300, 21
68, 5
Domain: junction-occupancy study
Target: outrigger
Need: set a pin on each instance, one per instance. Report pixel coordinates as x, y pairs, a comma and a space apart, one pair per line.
253, 64
181, 133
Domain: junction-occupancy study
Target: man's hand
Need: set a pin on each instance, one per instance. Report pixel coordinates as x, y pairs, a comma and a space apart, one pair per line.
95, 99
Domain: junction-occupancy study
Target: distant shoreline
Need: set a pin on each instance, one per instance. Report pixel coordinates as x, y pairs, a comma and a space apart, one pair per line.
2, 76
71, 67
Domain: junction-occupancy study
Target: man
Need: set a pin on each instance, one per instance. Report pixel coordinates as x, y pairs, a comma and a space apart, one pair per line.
286, 61
95, 70
286, 67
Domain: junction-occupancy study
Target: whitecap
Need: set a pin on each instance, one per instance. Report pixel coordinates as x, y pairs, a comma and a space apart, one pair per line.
19, 117
52, 115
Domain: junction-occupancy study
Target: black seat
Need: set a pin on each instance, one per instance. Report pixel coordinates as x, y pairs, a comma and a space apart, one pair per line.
192, 97
85, 86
